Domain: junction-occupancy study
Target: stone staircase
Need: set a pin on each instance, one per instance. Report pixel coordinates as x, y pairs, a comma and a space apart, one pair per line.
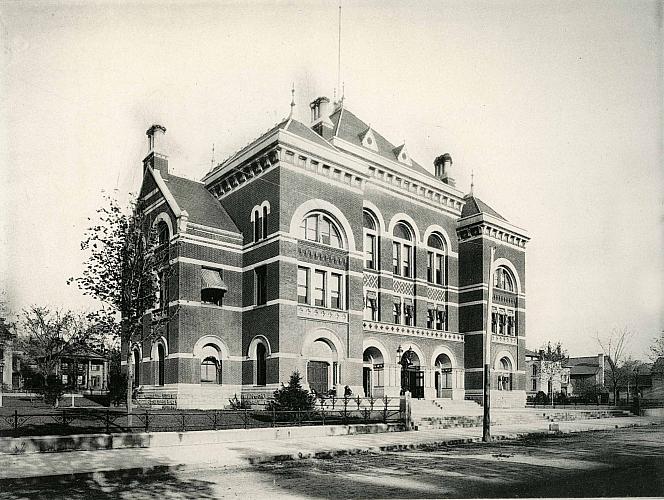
447, 413
444, 414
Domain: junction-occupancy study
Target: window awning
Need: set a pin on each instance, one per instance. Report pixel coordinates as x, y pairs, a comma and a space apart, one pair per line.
440, 307
212, 279
397, 300
408, 301
372, 295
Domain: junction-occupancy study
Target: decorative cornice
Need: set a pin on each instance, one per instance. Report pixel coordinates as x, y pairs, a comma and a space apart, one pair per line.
321, 314
390, 328
502, 339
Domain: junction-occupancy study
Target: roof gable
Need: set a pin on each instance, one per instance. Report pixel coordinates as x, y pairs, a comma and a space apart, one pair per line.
202, 208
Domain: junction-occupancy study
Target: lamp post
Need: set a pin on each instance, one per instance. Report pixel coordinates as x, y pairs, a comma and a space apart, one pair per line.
399, 375
2, 378
486, 423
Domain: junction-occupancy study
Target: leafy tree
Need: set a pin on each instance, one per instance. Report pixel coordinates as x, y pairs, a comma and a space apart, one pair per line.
293, 396
48, 335
588, 390
121, 270
614, 346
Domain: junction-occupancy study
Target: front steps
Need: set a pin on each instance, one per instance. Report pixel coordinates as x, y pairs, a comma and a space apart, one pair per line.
447, 413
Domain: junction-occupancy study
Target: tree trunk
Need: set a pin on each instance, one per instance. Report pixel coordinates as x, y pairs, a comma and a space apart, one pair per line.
130, 375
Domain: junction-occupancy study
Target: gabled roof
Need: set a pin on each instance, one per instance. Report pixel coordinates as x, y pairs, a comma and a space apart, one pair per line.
583, 370
202, 207
532, 354
474, 206
350, 128
583, 360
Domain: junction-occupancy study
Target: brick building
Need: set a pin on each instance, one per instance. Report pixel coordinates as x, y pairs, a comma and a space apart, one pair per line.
326, 249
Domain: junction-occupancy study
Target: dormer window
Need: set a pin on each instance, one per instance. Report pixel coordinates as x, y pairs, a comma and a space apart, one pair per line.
369, 139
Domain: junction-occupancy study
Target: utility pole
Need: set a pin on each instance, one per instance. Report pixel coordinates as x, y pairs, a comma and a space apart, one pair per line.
486, 424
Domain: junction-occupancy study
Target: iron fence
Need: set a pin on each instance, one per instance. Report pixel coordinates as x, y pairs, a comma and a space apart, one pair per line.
88, 420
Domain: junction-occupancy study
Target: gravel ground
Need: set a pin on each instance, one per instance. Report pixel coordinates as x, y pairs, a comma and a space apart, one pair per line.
625, 462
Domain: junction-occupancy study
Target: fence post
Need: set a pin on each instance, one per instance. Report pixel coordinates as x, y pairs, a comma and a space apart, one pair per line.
147, 420
108, 422
15, 420
184, 423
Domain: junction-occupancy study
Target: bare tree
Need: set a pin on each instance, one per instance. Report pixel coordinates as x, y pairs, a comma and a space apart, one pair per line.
657, 347
614, 346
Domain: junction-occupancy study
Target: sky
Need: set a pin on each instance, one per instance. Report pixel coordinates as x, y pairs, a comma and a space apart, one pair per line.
555, 106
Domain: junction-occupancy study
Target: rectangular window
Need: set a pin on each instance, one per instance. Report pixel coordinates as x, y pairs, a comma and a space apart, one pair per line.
371, 306
396, 258
501, 324
396, 310
378, 373
302, 285
369, 251
494, 322
534, 385
335, 291
440, 269
319, 288
430, 318
440, 319
261, 285
311, 231
409, 314
406, 254
430, 266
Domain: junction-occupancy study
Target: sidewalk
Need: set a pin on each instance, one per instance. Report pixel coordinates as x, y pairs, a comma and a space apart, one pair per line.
139, 461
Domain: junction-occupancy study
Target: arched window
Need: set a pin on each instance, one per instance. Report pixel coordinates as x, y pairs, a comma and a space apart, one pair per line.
370, 240
402, 250
163, 234
261, 364
210, 365
320, 228
257, 224
161, 355
436, 272
504, 280
264, 224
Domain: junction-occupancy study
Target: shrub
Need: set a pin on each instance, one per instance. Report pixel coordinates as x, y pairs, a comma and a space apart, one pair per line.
52, 390
541, 398
117, 388
293, 396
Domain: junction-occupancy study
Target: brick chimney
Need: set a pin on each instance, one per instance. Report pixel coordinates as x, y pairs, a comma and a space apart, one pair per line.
156, 158
443, 169
320, 117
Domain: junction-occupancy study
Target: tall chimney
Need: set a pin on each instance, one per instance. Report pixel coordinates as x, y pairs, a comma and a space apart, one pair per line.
320, 117
156, 158
443, 169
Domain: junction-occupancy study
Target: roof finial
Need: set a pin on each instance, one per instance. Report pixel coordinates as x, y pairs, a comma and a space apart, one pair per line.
212, 159
472, 181
292, 104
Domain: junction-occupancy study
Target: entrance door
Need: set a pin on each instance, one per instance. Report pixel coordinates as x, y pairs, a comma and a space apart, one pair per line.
413, 381
317, 375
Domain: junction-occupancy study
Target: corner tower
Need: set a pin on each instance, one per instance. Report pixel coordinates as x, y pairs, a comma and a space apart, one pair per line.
492, 296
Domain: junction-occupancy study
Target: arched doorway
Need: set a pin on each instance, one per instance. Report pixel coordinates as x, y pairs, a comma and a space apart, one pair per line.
444, 384
161, 355
261, 364
210, 365
505, 374
373, 372
321, 368
412, 375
